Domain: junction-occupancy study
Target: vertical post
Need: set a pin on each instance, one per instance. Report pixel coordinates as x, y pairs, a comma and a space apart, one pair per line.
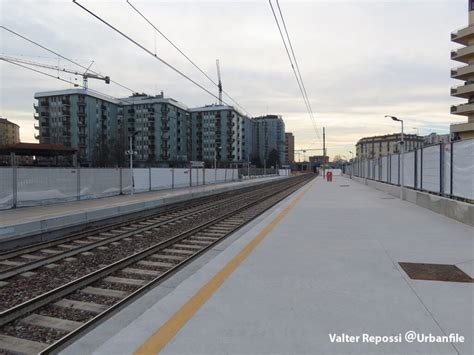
190, 176
441, 168
264, 166
421, 168
149, 179
232, 173
402, 183
248, 166
132, 187
78, 181
172, 177
203, 175
415, 177
225, 174
14, 181
451, 169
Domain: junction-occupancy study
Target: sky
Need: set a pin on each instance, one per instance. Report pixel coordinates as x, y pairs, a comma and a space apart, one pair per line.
359, 60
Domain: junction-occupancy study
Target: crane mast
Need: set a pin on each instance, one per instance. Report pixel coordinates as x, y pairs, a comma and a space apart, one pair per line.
219, 83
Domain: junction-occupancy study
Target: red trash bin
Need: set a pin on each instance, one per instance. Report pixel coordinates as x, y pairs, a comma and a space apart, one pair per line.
329, 176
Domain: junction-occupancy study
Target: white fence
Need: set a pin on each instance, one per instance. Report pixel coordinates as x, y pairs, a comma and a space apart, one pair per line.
444, 169
30, 186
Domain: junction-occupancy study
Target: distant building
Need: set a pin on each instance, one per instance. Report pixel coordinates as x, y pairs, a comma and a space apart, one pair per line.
376, 146
464, 36
9, 132
289, 148
434, 138
270, 135
222, 132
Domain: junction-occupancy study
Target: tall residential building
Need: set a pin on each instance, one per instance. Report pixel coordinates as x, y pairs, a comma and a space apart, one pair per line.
220, 132
289, 148
76, 118
161, 127
9, 132
270, 135
377, 146
465, 54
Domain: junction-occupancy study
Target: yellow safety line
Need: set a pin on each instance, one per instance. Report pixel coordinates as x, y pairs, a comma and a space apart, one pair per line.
155, 343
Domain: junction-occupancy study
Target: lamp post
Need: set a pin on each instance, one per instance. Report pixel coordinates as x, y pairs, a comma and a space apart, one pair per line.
402, 149
352, 163
130, 152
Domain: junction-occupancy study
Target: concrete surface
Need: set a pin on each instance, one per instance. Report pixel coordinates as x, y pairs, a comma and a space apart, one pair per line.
458, 210
44, 221
329, 267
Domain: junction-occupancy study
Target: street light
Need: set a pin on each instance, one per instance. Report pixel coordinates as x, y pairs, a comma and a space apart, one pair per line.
402, 148
130, 152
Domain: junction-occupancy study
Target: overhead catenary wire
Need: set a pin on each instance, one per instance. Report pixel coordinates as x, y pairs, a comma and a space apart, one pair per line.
61, 56
306, 101
296, 64
148, 51
183, 54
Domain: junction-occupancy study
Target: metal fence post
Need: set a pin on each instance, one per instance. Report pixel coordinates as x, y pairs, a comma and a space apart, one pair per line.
15, 181
203, 176
399, 168
172, 178
421, 168
441, 168
451, 170
78, 178
149, 179
190, 176
225, 174
415, 171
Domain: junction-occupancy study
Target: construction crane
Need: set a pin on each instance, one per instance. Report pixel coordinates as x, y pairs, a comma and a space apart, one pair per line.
219, 83
85, 76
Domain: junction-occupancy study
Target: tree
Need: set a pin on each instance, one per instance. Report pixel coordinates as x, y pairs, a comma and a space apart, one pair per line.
273, 158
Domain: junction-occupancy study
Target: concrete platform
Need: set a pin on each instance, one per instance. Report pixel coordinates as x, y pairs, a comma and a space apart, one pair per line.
321, 263
45, 221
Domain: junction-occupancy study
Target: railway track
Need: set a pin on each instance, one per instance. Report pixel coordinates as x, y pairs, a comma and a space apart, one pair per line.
56, 317
32, 257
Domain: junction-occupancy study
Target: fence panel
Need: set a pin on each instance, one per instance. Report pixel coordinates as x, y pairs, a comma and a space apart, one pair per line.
431, 168
463, 169
6, 188
38, 186
141, 178
162, 178
409, 169
126, 187
181, 177
394, 170
376, 169
447, 169
96, 183
384, 176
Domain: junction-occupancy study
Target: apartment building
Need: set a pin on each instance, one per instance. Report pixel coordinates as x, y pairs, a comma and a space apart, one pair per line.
465, 54
270, 135
289, 148
377, 146
9, 132
220, 132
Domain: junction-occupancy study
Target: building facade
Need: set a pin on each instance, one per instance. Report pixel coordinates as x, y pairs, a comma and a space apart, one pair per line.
465, 54
377, 146
220, 132
270, 135
9, 132
434, 138
289, 148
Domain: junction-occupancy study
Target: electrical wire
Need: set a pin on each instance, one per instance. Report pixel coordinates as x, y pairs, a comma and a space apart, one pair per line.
63, 57
148, 51
296, 63
184, 55
294, 71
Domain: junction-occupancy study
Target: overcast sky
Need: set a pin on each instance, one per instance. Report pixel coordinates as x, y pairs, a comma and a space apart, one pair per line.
360, 60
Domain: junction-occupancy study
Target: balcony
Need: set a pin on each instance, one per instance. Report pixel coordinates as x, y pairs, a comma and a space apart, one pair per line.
36, 116
36, 127
463, 109
464, 91
463, 73
464, 54
462, 127
463, 35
